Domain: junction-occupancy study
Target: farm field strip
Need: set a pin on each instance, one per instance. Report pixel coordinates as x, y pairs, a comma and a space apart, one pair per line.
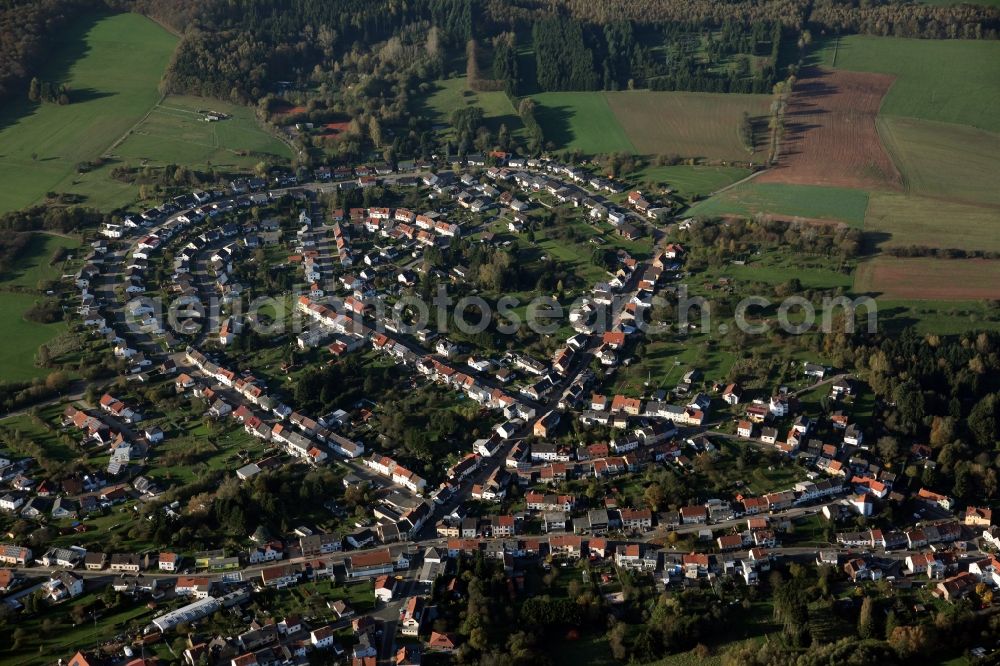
830, 133
584, 121
897, 220
930, 279
805, 202
705, 125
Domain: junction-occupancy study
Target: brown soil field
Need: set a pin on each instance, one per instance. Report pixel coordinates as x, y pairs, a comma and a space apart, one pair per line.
929, 278
830, 133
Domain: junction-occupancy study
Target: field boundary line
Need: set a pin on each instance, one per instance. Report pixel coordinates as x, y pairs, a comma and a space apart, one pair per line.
730, 186
117, 142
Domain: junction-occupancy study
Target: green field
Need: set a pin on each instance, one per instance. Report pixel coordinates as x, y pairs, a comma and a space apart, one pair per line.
33, 265
790, 201
947, 80
22, 338
897, 220
452, 94
112, 66
175, 133
944, 160
690, 125
938, 317
777, 269
583, 121
690, 181
702, 125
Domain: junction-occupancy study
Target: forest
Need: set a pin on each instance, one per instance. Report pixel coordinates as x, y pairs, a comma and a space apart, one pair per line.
239, 48
675, 56
24, 27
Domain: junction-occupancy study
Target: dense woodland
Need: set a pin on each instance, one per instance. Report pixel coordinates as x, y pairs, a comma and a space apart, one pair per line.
240, 48
24, 27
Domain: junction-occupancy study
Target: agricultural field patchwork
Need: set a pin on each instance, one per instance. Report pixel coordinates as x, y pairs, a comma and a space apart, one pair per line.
953, 81
584, 121
112, 66
689, 125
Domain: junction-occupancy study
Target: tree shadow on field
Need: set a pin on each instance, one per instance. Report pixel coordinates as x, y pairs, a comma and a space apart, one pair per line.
890, 320
64, 50
813, 84
555, 122
871, 242
87, 95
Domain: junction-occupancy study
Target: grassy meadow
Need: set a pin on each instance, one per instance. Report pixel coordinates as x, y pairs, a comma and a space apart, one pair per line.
689, 124
452, 94
112, 66
22, 337
583, 121
944, 160
34, 267
689, 181
174, 132
898, 220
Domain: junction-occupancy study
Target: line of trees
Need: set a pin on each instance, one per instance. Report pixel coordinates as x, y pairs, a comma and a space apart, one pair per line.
45, 91
536, 138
